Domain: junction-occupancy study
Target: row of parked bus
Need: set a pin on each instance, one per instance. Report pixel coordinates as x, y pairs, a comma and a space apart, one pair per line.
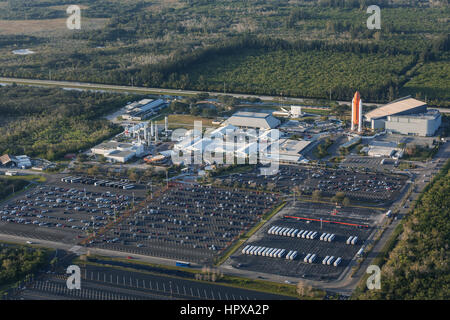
352, 240
291, 232
264, 251
310, 257
291, 255
327, 237
113, 184
328, 260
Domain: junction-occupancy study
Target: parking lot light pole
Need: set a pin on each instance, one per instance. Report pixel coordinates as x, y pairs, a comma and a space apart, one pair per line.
167, 178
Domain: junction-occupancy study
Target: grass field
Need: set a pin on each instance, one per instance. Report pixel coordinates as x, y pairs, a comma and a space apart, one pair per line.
186, 121
46, 27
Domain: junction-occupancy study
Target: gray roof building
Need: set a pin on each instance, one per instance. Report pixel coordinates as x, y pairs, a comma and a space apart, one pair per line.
406, 105
260, 120
421, 124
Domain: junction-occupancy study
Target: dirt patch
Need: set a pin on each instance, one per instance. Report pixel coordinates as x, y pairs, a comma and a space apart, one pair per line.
49, 27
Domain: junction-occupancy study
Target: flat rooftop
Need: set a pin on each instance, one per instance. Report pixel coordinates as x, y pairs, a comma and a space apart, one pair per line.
429, 115
292, 147
251, 114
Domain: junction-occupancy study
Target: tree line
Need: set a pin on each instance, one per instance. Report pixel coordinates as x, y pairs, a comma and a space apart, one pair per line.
418, 266
51, 122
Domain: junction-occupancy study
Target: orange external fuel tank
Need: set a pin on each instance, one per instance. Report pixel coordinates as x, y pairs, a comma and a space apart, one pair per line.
355, 105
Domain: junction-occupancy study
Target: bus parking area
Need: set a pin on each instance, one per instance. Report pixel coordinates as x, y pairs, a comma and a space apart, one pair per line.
310, 240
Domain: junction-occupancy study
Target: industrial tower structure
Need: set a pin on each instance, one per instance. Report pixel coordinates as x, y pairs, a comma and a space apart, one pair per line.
357, 112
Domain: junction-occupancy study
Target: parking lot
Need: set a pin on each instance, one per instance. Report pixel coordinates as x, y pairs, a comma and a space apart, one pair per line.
342, 223
98, 283
372, 163
65, 212
189, 222
357, 184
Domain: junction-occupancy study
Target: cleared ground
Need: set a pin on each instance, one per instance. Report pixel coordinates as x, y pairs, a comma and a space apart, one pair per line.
46, 27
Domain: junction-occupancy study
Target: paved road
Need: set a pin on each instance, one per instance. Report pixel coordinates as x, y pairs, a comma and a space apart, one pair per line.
83, 250
107, 87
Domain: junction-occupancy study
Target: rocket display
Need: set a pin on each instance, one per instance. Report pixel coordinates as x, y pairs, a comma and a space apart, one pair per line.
356, 112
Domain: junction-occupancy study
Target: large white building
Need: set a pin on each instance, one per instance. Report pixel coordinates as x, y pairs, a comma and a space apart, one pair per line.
119, 151
256, 120
143, 109
421, 124
290, 151
405, 116
231, 142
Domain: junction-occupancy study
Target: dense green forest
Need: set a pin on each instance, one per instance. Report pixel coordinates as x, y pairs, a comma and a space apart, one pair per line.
418, 267
294, 73
50, 123
17, 262
179, 43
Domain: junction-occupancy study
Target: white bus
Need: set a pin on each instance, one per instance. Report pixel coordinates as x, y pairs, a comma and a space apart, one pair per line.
336, 263
306, 259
